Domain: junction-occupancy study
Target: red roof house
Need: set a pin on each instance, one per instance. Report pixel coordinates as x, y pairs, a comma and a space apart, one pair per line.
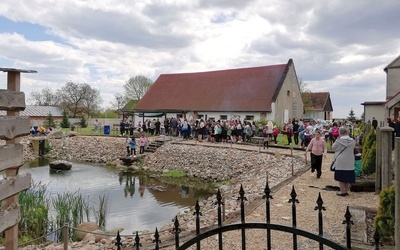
270, 92
317, 105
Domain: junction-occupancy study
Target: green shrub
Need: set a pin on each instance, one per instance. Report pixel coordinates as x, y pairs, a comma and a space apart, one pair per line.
385, 219
83, 122
65, 122
369, 153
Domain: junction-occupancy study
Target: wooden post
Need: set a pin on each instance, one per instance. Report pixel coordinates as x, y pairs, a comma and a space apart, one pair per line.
65, 236
11, 156
386, 142
378, 162
397, 193
11, 234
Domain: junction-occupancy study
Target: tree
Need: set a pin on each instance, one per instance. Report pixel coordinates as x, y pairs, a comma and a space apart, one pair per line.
136, 87
49, 122
65, 122
119, 102
351, 116
78, 98
91, 101
44, 97
303, 86
83, 122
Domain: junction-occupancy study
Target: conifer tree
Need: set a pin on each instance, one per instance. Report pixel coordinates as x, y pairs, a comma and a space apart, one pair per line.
65, 122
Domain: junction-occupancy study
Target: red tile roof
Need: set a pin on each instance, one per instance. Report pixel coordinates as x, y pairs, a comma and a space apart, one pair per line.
245, 89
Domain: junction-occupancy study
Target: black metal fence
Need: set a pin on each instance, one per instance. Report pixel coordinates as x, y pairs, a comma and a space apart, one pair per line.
268, 226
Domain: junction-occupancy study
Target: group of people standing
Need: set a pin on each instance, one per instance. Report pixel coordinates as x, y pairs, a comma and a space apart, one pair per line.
130, 144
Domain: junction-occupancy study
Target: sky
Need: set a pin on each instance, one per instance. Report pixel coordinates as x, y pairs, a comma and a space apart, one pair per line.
339, 47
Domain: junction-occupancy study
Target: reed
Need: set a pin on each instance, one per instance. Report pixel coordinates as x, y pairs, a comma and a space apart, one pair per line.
70, 209
34, 212
102, 212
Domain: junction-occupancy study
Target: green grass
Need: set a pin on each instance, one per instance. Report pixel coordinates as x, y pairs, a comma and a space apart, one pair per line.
174, 173
282, 141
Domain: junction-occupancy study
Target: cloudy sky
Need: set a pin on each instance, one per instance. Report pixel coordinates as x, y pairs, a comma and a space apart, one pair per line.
337, 46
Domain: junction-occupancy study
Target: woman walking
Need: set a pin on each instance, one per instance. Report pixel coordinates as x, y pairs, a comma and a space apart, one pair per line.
344, 161
318, 150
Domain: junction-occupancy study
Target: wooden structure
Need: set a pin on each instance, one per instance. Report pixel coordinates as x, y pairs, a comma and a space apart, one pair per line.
12, 127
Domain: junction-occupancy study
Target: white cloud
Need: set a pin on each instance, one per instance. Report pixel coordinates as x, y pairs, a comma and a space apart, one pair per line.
340, 47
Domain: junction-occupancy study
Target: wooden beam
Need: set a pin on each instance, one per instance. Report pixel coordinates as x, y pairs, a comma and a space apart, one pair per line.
12, 100
13, 185
13, 126
9, 216
11, 156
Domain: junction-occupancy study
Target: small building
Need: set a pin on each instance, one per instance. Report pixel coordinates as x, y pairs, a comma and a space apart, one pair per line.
269, 92
391, 107
38, 114
317, 105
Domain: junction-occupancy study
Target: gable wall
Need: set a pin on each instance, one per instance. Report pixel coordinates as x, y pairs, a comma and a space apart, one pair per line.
393, 82
285, 101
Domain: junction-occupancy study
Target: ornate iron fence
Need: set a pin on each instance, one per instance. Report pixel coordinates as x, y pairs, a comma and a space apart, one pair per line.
268, 226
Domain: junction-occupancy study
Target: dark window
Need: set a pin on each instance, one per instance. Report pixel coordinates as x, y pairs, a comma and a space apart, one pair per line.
249, 117
223, 117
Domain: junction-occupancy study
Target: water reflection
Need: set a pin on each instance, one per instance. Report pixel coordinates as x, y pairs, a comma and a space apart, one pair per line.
137, 201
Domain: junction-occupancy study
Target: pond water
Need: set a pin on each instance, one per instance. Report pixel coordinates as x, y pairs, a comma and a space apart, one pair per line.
135, 201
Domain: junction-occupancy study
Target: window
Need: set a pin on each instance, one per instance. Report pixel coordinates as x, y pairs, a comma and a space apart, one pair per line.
288, 93
249, 117
179, 116
223, 117
294, 108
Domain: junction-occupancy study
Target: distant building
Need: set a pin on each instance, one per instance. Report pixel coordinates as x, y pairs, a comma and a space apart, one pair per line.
317, 105
270, 92
391, 107
38, 114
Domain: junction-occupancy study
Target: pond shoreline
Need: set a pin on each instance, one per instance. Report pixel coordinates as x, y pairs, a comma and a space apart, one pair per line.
210, 163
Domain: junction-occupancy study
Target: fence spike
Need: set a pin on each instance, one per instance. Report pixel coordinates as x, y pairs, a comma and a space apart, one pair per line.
241, 194
118, 241
377, 238
348, 223
293, 195
197, 209
320, 202
267, 192
137, 241
157, 239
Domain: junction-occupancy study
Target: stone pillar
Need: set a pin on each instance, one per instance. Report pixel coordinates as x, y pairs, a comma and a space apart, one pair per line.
368, 128
386, 142
397, 194
378, 162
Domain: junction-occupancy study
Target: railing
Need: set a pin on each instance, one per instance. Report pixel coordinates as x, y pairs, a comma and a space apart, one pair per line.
198, 236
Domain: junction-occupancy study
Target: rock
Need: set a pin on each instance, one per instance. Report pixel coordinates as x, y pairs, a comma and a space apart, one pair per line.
60, 165
86, 226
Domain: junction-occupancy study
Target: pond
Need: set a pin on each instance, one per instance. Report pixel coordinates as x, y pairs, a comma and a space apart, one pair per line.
136, 201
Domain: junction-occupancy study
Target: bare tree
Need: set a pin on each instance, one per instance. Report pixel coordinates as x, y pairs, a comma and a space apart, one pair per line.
44, 97
136, 87
79, 98
119, 102
92, 99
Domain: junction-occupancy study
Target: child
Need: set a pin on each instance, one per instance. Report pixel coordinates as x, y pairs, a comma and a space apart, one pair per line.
275, 133
318, 150
128, 145
142, 142
133, 146
357, 161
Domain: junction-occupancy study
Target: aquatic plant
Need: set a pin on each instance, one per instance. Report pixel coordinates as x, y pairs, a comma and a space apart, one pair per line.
34, 212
